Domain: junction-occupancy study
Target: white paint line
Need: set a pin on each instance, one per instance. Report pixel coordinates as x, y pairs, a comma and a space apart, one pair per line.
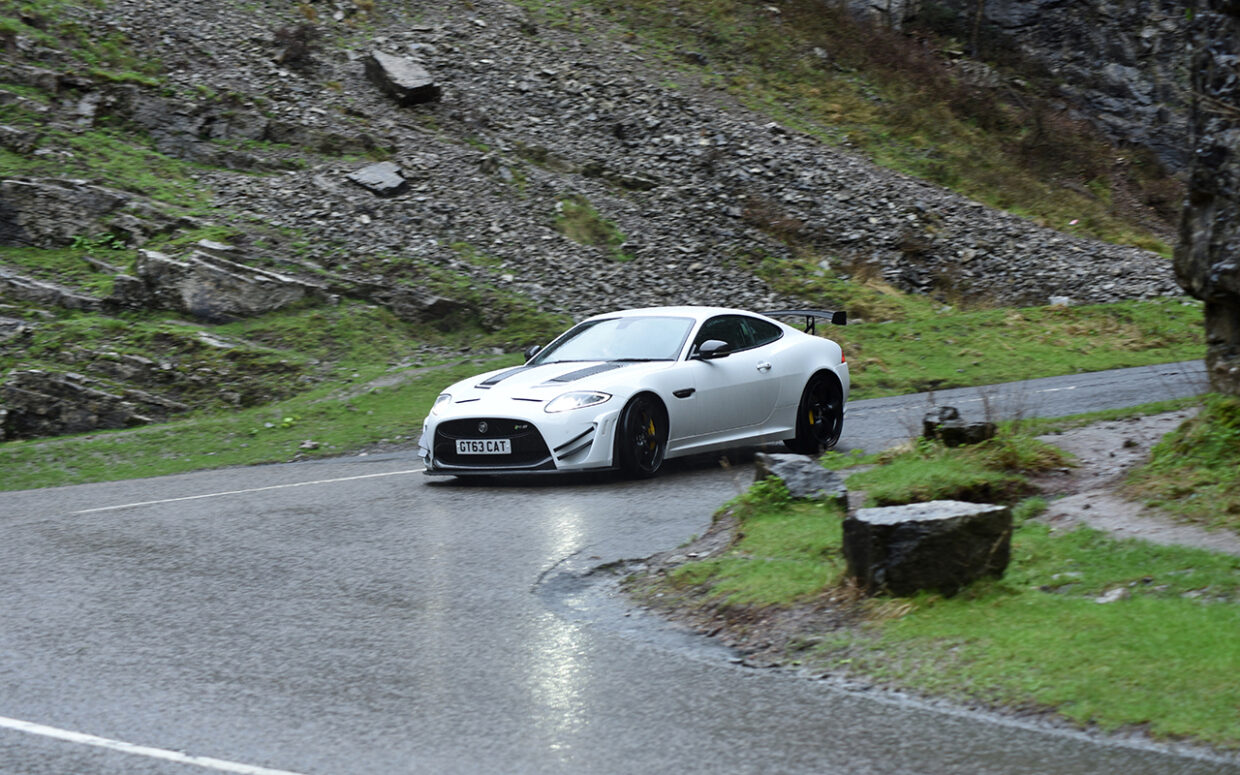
219, 765
244, 492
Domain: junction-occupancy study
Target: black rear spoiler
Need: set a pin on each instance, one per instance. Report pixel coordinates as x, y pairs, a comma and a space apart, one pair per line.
838, 318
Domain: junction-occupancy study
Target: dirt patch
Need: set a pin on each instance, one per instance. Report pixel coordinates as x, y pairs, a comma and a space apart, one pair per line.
1091, 492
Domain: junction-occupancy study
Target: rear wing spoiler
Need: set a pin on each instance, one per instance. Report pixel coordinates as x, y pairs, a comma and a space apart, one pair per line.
838, 318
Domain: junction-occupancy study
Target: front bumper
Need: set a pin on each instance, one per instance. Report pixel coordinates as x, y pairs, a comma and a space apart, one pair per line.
553, 443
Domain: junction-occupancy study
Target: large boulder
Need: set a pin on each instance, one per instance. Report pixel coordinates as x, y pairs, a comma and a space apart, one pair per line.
940, 545
1207, 258
1123, 63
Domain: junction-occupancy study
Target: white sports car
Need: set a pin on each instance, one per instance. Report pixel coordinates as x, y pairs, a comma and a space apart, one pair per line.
632, 389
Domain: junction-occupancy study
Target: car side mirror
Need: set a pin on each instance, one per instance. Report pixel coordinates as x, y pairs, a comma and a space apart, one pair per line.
531, 351
711, 349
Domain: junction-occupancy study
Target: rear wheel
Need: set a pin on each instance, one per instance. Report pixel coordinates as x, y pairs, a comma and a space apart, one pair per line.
820, 416
641, 437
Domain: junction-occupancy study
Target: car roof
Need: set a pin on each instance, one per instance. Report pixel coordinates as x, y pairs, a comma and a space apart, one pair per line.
697, 313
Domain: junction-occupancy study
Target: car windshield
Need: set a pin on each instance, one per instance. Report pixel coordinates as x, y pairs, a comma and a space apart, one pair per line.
620, 339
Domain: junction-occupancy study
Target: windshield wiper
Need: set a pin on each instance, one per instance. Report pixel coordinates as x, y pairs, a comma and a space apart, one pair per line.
635, 360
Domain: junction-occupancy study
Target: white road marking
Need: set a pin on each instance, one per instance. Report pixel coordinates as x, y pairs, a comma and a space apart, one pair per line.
218, 765
244, 492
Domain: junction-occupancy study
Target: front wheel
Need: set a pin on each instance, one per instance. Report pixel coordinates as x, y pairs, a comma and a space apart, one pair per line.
820, 416
641, 437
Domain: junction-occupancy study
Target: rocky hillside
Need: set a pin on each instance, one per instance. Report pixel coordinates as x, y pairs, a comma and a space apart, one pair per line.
217, 162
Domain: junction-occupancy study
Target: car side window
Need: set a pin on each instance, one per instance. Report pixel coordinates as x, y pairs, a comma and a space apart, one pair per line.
763, 332
739, 331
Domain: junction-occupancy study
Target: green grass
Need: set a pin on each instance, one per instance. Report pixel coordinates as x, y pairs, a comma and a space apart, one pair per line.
991, 472
898, 343
66, 26
1194, 472
120, 160
1161, 658
68, 266
576, 219
790, 552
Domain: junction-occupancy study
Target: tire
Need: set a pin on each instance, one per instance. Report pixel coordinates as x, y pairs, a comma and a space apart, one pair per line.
641, 437
820, 416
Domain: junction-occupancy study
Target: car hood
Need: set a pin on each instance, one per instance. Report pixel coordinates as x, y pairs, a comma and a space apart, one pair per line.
545, 382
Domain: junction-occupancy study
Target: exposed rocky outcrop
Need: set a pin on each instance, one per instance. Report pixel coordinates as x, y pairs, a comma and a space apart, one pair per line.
1122, 64
46, 213
213, 289
37, 403
14, 287
1207, 258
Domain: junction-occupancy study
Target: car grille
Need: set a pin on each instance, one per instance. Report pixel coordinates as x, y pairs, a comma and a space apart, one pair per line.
529, 451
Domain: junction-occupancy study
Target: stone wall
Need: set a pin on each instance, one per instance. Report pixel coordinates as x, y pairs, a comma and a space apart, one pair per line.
1121, 63
1207, 258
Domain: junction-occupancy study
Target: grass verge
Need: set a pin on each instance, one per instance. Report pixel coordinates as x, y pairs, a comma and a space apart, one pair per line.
1103, 633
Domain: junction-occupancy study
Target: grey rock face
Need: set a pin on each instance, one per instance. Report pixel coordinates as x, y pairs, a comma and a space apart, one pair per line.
1207, 258
1123, 63
404, 80
941, 545
213, 289
803, 477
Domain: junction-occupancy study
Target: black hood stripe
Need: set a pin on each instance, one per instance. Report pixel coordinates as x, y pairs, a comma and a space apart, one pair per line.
503, 375
588, 371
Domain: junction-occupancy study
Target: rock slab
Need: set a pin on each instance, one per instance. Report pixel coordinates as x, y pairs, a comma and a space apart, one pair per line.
803, 477
940, 546
404, 80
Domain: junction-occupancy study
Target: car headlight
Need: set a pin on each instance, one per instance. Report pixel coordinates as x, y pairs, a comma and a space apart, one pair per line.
440, 403
579, 399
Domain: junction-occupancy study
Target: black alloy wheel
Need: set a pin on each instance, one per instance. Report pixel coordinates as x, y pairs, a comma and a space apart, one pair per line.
641, 437
820, 416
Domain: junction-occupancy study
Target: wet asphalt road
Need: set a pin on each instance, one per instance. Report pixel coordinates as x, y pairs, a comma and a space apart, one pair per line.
353, 616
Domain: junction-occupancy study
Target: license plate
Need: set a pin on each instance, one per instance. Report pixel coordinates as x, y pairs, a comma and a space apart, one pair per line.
483, 447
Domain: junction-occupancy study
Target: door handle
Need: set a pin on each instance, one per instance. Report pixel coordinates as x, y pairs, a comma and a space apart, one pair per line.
764, 367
